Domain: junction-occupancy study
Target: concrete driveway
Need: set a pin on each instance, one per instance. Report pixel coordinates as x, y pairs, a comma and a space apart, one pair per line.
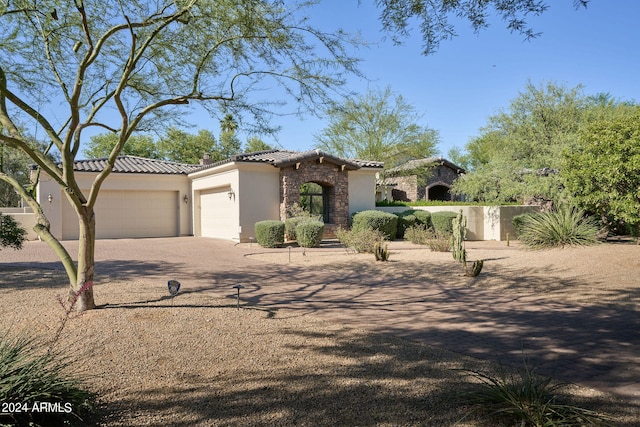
593, 346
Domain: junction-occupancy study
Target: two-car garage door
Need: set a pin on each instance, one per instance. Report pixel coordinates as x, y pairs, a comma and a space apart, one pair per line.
121, 214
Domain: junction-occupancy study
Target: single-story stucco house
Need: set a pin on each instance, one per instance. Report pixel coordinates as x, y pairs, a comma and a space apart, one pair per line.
420, 179
155, 198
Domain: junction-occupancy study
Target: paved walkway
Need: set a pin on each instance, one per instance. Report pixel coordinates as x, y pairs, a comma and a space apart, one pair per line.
593, 346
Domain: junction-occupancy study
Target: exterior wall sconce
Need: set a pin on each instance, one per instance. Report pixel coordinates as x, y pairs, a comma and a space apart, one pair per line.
231, 194
50, 198
185, 199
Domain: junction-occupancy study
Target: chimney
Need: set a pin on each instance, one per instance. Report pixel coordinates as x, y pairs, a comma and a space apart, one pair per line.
206, 159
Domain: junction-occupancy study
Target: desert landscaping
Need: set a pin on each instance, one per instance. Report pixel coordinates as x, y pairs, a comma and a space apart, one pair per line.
196, 359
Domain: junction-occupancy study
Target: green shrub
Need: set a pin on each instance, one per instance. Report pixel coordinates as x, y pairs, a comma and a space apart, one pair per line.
31, 371
564, 227
418, 234
385, 222
11, 234
423, 217
290, 225
309, 233
439, 243
443, 222
363, 240
421, 235
526, 399
405, 220
517, 222
270, 233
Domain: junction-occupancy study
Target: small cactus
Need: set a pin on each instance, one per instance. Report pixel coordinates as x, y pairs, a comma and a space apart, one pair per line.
459, 234
381, 253
475, 269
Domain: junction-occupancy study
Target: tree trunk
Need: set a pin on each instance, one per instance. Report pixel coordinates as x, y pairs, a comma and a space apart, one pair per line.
86, 262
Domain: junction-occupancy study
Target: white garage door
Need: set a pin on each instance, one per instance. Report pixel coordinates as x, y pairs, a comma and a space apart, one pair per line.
122, 214
216, 214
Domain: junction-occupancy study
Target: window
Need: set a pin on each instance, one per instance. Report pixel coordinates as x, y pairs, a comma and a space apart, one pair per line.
313, 199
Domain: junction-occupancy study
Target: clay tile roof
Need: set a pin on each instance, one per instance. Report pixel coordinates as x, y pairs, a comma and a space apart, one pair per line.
134, 164
284, 158
412, 164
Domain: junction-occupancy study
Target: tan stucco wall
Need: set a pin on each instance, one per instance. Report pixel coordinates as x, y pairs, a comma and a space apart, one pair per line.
259, 196
115, 182
483, 222
255, 189
25, 219
362, 190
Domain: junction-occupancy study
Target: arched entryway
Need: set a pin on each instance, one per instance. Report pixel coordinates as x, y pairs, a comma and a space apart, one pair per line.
439, 192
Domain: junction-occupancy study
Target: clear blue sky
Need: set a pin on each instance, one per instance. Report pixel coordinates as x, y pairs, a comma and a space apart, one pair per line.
474, 76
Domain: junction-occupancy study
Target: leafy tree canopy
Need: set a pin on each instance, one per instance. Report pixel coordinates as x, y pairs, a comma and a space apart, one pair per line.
100, 146
433, 17
179, 146
256, 144
377, 126
11, 234
519, 153
603, 173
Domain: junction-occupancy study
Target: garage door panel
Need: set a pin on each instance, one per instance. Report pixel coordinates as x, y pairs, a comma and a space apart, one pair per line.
216, 215
124, 214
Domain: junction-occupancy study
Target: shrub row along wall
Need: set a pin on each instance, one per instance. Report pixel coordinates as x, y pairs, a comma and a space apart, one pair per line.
483, 222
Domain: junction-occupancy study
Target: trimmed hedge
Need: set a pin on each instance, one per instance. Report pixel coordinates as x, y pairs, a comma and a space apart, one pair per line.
406, 219
423, 217
270, 233
309, 233
443, 222
290, 225
385, 222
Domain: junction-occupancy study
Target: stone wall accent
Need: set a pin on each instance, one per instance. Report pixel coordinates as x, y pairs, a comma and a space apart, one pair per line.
329, 176
405, 189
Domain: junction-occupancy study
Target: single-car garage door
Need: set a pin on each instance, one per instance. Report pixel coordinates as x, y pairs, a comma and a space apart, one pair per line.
216, 214
123, 214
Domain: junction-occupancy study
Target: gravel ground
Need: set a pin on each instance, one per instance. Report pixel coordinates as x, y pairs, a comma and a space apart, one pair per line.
196, 360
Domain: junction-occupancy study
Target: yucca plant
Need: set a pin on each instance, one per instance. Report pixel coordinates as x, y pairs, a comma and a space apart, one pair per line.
527, 399
565, 227
31, 372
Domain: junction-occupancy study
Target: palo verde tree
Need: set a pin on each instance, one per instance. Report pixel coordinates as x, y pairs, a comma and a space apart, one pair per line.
432, 16
126, 66
378, 126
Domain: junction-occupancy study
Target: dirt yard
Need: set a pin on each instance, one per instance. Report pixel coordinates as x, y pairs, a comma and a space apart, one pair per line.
198, 361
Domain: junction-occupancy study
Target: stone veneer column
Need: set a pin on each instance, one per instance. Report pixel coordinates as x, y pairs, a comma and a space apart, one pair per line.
325, 174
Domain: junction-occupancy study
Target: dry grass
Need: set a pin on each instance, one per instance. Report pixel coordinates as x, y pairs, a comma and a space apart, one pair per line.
197, 361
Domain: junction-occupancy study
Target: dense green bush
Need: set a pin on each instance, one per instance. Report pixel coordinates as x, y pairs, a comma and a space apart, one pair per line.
423, 217
443, 222
406, 219
30, 372
363, 240
290, 225
385, 222
565, 227
309, 233
11, 234
270, 233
